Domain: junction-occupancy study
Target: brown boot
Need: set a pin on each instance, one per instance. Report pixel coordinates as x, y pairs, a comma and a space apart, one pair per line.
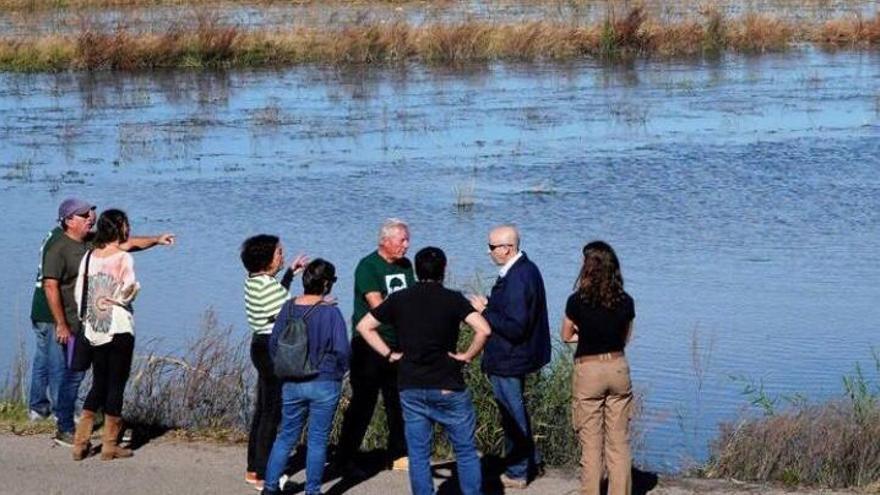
109, 449
82, 435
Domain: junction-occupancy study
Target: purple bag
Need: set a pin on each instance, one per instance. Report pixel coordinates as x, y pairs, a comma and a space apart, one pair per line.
79, 349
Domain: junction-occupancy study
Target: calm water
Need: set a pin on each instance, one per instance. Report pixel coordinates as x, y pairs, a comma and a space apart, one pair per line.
743, 197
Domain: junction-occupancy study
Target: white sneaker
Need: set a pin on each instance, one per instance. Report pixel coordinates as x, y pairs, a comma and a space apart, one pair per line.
34, 416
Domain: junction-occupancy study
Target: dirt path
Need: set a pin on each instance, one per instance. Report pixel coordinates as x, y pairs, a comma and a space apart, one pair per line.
33, 464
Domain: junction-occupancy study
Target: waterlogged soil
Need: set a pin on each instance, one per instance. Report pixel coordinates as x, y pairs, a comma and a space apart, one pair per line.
742, 196
162, 467
287, 15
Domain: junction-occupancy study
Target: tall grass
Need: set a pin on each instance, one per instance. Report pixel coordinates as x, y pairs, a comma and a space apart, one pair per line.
834, 444
215, 44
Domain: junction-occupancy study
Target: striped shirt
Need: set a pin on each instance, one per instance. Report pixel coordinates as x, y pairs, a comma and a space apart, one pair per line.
263, 298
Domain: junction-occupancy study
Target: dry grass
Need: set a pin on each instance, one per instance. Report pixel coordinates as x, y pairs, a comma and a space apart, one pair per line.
835, 444
213, 44
819, 445
206, 389
41, 5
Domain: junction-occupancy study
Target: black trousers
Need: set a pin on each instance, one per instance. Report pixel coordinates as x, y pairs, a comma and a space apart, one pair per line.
267, 407
111, 365
371, 374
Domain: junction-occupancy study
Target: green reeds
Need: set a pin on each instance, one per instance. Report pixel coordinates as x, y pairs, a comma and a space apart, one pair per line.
213, 44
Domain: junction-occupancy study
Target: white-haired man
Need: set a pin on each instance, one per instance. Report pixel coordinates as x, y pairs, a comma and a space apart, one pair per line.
382, 272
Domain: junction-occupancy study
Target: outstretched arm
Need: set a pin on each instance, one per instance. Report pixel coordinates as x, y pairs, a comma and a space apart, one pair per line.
140, 243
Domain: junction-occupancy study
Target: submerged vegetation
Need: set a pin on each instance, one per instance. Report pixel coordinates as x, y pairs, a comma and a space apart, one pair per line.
212, 43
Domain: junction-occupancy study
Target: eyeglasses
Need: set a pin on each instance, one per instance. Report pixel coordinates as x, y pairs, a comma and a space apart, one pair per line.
85, 215
493, 247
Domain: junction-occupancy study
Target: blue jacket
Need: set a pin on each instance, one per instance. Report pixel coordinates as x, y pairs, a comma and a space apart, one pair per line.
329, 349
517, 313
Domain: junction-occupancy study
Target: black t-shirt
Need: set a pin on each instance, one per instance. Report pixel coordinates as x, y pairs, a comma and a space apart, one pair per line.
600, 330
427, 318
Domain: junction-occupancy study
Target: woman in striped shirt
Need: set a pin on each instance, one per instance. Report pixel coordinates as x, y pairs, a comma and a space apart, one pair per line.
263, 257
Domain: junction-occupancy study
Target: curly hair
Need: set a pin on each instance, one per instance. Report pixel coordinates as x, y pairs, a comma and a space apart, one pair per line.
600, 282
257, 252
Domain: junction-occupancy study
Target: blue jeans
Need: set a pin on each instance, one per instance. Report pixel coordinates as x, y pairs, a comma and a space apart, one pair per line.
318, 401
519, 446
68, 393
454, 410
47, 372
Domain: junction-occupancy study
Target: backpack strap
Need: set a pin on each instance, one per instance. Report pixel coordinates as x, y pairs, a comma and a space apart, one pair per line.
311, 308
85, 290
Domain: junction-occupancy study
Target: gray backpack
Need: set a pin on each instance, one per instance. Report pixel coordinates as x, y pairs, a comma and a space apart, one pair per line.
292, 355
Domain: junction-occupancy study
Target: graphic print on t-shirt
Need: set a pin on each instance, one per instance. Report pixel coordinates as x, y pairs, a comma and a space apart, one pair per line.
395, 282
103, 289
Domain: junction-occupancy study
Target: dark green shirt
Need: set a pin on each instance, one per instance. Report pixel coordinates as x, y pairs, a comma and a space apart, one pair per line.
39, 305
374, 274
61, 260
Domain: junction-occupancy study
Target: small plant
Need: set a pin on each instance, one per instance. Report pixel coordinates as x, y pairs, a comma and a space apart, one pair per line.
464, 196
22, 170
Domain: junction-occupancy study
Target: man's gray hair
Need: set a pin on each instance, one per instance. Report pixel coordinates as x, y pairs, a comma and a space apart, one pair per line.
390, 226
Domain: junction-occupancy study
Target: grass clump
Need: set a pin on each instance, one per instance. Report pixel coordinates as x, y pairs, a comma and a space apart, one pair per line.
834, 445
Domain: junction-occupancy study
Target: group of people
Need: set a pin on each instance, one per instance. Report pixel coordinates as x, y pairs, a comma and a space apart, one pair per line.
404, 345
406, 329
82, 318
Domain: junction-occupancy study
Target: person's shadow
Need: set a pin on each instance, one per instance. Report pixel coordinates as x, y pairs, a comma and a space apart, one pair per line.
369, 464
373, 462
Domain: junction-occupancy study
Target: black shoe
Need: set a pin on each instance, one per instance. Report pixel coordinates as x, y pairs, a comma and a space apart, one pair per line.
63, 438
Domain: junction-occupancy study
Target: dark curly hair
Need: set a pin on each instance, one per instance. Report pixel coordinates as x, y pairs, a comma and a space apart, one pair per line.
257, 252
600, 282
112, 226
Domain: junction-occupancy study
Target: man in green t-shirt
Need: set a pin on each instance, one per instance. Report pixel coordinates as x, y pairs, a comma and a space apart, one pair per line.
54, 312
382, 272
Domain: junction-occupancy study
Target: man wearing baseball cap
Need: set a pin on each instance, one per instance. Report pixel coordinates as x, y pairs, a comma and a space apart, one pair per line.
54, 312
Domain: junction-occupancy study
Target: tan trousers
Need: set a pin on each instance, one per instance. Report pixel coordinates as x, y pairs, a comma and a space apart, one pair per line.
601, 400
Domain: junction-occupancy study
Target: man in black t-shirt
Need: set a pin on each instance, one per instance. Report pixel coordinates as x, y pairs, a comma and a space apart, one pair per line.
428, 319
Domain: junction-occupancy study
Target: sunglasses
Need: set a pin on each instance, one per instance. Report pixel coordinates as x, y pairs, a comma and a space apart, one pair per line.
493, 247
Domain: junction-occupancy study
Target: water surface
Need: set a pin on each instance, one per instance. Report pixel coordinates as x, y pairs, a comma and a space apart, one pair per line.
742, 196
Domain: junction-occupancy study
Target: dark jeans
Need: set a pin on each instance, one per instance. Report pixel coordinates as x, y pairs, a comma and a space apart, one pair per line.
519, 446
267, 407
370, 374
111, 364
455, 411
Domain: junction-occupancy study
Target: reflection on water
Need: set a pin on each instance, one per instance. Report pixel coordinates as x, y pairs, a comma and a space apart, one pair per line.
741, 195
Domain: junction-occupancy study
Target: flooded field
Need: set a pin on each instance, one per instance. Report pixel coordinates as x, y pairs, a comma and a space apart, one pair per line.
742, 195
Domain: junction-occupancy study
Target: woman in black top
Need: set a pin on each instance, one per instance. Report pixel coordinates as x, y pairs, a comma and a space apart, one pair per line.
598, 317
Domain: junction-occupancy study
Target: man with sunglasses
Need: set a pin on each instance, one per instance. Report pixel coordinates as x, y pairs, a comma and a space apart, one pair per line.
517, 312
54, 313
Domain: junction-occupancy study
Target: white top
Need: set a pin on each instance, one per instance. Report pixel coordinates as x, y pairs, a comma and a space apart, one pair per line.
112, 288
503, 271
